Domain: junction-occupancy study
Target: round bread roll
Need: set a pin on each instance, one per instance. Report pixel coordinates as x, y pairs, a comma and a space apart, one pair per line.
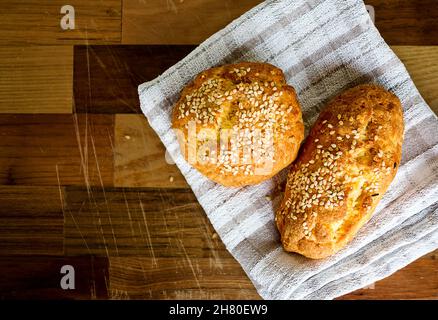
345, 166
239, 124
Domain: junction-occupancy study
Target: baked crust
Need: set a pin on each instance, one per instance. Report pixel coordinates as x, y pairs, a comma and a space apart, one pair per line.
251, 98
345, 166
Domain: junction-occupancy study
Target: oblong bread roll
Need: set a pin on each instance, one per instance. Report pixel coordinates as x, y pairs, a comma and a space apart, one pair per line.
343, 169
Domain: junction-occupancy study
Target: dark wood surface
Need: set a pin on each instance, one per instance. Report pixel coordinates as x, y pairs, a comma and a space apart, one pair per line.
105, 78
403, 22
92, 188
56, 149
407, 22
38, 277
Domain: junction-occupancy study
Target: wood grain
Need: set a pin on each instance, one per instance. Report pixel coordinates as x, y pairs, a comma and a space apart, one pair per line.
29, 224
134, 222
39, 277
139, 159
182, 278
407, 22
36, 79
178, 22
129, 66
106, 77
38, 22
422, 64
418, 280
172, 278
54, 150
401, 22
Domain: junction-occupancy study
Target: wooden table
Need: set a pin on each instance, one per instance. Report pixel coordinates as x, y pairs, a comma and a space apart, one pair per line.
83, 178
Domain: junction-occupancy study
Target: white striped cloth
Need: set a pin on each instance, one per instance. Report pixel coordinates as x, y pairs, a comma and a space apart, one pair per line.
324, 47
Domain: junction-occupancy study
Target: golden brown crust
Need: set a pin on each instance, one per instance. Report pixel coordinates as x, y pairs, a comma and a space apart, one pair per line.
244, 96
345, 166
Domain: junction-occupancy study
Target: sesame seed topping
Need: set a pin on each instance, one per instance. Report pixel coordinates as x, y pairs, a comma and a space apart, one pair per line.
310, 187
258, 107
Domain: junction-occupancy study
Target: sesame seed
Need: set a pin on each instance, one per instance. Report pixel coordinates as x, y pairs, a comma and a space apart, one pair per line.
257, 108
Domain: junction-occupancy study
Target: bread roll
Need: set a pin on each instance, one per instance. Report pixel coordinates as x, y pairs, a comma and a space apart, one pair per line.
252, 104
345, 166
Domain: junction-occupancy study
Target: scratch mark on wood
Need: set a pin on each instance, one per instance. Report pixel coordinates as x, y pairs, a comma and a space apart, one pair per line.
61, 197
104, 194
190, 263
84, 164
154, 260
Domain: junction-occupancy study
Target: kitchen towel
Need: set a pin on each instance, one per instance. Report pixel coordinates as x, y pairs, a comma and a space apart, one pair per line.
324, 47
